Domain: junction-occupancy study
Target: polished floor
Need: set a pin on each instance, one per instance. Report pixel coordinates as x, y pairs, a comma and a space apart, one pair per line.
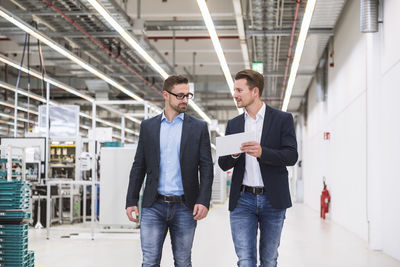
306, 242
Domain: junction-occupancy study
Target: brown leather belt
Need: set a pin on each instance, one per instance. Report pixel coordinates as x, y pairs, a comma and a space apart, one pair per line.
171, 198
254, 190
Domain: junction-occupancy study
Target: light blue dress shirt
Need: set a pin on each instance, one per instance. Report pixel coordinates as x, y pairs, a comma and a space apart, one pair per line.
170, 182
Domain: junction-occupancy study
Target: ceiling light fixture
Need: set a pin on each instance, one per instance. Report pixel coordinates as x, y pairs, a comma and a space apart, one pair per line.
237, 6
27, 28
35, 33
217, 45
128, 37
131, 41
305, 25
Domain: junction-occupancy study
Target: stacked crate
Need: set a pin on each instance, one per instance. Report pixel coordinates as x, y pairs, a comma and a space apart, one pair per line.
14, 216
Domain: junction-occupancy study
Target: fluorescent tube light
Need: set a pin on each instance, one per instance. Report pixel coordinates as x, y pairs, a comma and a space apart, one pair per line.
35, 33
305, 25
25, 27
130, 40
217, 45
127, 36
199, 111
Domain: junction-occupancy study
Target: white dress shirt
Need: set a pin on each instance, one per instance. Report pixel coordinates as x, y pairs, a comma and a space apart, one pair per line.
252, 174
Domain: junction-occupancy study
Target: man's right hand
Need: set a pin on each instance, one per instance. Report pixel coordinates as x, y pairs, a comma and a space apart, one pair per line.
129, 211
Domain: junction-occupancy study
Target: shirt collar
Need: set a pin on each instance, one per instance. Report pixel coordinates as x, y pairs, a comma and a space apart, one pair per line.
180, 116
260, 113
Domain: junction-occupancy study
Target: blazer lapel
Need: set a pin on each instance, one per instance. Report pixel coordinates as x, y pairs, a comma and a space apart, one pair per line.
187, 122
241, 129
156, 136
267, 122
241, 124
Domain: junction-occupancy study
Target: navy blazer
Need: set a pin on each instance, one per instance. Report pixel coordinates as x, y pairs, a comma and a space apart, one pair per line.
195, 157
279, 149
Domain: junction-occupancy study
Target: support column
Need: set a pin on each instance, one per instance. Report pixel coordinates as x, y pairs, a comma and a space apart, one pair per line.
122, 129
94, 171
46, 165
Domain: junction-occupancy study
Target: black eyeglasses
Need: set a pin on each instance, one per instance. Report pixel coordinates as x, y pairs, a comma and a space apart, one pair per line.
181, 96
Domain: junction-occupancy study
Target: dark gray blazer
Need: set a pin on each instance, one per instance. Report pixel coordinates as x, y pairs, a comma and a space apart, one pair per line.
279, 149
195, 157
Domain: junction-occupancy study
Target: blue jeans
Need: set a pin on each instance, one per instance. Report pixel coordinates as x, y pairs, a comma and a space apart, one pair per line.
253, 212
155, 223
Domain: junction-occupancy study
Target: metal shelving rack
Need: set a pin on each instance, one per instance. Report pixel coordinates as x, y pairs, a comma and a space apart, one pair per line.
12, 167
14, 210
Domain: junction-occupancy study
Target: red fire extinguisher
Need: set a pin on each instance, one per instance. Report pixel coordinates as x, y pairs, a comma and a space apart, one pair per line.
325, 200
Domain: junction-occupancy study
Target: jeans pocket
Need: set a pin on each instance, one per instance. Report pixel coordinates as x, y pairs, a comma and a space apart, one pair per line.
184, 206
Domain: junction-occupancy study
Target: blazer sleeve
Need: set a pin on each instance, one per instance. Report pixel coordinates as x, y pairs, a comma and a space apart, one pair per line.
286, 154
227, 162
137, 173
206, 168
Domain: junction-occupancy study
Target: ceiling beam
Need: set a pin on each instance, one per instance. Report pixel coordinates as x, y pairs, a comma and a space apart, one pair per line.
50, 12
287, 32
187, 25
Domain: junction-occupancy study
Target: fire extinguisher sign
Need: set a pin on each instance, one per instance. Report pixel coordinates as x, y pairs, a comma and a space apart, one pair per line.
327, 135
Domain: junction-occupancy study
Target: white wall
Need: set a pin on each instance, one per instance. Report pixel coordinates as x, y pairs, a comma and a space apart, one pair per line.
361, 112
389, 138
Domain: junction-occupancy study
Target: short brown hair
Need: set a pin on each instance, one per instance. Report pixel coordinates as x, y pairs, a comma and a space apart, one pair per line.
172, 80
253, 78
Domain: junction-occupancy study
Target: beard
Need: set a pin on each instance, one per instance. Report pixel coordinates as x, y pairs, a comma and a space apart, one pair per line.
180, 108
242, 104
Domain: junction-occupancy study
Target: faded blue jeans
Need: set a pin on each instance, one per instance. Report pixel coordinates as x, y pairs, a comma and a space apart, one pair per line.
155, 223
253, 212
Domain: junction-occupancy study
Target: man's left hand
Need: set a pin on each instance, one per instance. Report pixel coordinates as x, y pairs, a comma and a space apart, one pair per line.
252, 148
199, 212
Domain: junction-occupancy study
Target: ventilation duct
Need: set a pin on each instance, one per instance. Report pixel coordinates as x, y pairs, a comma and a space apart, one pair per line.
99, 87
369, 16
322, 77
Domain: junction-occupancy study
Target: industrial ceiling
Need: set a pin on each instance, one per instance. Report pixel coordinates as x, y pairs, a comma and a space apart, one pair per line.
174, 34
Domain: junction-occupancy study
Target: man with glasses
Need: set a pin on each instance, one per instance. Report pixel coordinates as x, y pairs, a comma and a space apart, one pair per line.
173, 149
259, 193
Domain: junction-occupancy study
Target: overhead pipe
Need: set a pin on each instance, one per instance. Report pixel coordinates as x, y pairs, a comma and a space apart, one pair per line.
321, 77
263, 13
257, 9
268, 48
94, 40
278, 40
369, 16
289, 57
138, 9
6, 80
194, 67
173, 51
194, 37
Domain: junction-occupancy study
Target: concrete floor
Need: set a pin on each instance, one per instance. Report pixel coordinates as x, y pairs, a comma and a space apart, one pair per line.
306, 242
